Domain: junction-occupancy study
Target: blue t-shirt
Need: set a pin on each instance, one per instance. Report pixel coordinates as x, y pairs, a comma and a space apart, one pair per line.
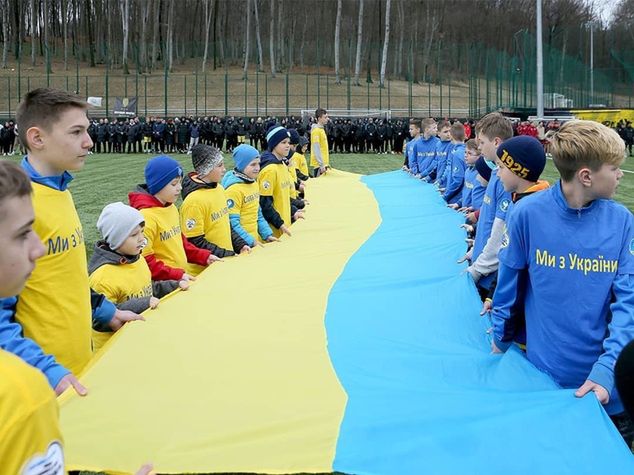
579, 295
495, 204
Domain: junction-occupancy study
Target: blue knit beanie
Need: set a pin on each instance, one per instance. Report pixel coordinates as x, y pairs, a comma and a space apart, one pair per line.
524, 156
275, 135
243, 155
159, 171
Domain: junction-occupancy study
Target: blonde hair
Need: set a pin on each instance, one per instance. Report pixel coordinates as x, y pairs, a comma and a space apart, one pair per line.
427, 123
494, 125
585, 143
472, 144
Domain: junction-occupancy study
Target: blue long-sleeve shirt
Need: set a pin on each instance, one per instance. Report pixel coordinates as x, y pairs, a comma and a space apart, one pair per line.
443, 149
13, 341
455, 174
426, 154
472, 191
412, 161
579, 294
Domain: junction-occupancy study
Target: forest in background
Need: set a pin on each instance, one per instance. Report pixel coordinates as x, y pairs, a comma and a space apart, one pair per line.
400, 39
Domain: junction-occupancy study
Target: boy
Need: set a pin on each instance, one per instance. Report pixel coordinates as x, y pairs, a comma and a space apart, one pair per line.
274, 181
298, 160
576, 248
443, 148
297, 203
319, 155
55, 306
522, 160
472, 191
117, 270
491, 130
204, 212
455, 168
426, 149
243, 197
411, 160
167, 251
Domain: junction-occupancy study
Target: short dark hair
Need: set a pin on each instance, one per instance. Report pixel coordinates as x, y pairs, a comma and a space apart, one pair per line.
457, 131
415, 123
13, 182
320, 112
42, 107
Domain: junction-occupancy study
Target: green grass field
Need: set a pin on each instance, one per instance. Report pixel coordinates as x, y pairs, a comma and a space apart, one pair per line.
109, 177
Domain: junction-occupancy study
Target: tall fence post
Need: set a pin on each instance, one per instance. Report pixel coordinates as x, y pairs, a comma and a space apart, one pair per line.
287, 95
266, 94
145, 94
185, 92
226, 94
348, 91
196, 92
257, 93
107, 86
246, 94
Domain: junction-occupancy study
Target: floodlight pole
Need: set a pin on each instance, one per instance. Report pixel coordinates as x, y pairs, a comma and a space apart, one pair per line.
540, 64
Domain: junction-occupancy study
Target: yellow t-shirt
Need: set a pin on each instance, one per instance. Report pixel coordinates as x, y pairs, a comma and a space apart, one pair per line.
318, 139
29, 434
163, 234
244, 199
274, 180
119, 283
54, 307
299, 161
205, 212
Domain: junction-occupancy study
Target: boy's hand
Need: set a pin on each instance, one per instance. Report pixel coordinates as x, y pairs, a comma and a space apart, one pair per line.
298, 215
154, 302
183, 284
271, 238
189, 278
211, 259
301, 186
121, 317
599, 391
285, 230
245, 249
471, 217
322, 170
453, 206
494, 349
68, 381
145, 469
486, 306
467, 227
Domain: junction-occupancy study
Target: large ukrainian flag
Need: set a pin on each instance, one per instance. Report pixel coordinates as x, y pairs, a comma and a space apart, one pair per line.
355, 346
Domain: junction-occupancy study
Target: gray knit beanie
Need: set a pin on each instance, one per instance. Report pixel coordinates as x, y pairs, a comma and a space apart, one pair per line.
116, 222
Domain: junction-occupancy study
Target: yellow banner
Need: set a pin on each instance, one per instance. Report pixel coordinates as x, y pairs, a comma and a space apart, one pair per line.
607, 115
234, 374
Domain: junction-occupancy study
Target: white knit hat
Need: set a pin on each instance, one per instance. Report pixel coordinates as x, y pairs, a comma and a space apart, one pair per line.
117, 221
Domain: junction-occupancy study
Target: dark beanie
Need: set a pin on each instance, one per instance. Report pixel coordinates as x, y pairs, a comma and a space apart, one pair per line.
159, 171
524, 156
275, 135
483, 168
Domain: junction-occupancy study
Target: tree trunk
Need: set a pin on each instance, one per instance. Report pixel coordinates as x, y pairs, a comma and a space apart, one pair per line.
91, 38
301, 47
247, 41
386, 41
398, 64
33, 28
125, 22
170, 34
208, 12
155, 33
5, 32
145, 14
272, 37
337, 36
280, 50
357, 63
258, 38
291, 44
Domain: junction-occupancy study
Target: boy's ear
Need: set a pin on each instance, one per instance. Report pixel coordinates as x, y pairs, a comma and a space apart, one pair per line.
584, 175
34, 138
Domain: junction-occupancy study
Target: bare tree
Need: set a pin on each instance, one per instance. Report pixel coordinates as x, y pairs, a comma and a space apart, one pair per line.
4, 4
145, 14
357, 62
33, 29
279, 41
386, 42
246, 42
208, 12
65, 20
271, 38
257, 36
170, 35
337, 35
125, 22
398, 63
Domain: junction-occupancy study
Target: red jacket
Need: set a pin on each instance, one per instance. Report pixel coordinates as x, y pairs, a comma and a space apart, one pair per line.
141, 199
